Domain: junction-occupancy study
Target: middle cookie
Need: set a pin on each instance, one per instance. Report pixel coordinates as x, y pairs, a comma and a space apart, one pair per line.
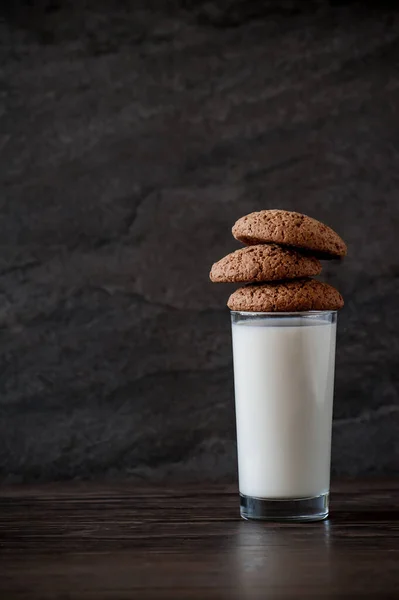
264, 262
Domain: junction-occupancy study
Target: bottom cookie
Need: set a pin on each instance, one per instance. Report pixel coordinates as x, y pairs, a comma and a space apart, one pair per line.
286, 296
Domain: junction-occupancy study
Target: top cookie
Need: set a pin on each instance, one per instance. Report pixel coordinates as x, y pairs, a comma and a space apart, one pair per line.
264, 262
290, 229
297, 295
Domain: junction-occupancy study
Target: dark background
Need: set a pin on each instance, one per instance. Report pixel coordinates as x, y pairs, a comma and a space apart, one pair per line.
133, 134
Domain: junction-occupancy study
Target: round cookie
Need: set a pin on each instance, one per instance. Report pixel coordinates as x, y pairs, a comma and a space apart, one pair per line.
264, 262
288, 296
290, 229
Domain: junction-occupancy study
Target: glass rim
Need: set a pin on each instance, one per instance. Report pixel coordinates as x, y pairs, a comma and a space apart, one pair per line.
303, 313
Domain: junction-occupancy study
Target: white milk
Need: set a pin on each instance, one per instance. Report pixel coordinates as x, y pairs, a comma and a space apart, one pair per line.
284, 383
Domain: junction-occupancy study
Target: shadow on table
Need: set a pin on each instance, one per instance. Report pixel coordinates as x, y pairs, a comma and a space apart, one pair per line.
275, 559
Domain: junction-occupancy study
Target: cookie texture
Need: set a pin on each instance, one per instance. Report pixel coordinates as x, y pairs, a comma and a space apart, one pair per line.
264, 262
290, 229
288, 296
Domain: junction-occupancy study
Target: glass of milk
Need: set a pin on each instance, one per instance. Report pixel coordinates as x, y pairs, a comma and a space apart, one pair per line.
284, 384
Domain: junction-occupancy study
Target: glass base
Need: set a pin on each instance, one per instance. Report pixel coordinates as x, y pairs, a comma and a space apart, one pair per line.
288, 509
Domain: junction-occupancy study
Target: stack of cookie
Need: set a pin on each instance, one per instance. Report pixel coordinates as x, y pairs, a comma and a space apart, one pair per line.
282, 254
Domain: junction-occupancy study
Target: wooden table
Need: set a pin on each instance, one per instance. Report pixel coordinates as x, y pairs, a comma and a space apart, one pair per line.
81, 541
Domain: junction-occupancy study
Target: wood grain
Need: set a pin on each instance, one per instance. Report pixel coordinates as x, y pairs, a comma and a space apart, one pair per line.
79, 541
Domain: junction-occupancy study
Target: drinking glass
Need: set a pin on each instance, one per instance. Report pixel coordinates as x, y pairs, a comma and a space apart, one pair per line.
284, 383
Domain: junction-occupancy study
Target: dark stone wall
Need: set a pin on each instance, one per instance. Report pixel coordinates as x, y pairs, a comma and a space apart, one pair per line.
133, 134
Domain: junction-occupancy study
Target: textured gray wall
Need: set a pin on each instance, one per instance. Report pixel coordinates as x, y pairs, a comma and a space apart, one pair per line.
131, 140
